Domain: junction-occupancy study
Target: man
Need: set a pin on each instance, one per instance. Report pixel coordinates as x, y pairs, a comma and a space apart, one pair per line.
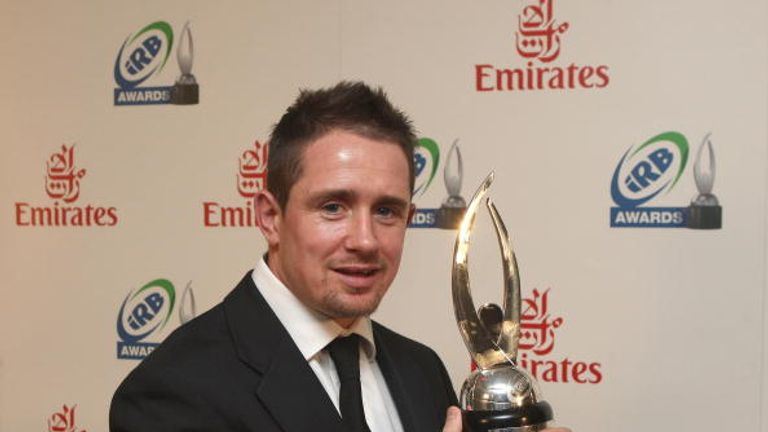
292, 347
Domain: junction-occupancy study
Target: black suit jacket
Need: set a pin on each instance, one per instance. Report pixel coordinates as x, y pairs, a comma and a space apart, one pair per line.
235, 368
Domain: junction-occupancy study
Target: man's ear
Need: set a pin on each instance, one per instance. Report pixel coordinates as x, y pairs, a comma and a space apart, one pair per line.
268, 216
411, 212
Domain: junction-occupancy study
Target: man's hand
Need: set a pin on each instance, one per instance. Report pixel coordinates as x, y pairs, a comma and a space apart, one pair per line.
453, 422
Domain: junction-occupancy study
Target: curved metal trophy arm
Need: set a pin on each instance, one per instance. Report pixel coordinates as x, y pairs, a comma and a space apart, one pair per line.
485, 348
509, 334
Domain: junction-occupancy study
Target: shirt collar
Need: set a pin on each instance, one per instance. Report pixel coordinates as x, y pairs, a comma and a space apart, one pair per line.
310, 330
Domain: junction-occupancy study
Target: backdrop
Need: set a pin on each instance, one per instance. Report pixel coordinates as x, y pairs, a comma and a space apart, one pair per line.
133, 144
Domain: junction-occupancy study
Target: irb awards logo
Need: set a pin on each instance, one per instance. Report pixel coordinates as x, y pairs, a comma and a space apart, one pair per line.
427, 159
647, 172
62, 185
145, 312
143, 56
251, 179
538, 40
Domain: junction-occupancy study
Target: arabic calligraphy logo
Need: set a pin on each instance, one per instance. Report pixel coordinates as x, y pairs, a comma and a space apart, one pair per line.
62, 179
62, 184
537, 326
537, 344
252, 172
538, 41
63, 421
251, 179
537, 35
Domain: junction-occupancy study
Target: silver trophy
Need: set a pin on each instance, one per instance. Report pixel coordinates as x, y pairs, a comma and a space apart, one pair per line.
186, 90
452, 209
705, 211
498, 396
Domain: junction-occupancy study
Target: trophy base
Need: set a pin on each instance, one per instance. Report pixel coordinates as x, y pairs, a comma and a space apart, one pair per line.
705, 217
531, 418
450, 217
185, 94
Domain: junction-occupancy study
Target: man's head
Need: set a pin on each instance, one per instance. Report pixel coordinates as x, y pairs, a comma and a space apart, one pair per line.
349, 106
336, 212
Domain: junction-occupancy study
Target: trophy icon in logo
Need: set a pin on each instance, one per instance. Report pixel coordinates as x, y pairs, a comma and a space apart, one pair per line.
187, 306
705, 211
498, 395
453, 207
185, 91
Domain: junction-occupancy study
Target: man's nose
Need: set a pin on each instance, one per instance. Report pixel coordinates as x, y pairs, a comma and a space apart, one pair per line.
362, 233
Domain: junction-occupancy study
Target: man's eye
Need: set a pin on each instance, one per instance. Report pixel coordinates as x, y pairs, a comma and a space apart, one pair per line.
331, 208
386, 211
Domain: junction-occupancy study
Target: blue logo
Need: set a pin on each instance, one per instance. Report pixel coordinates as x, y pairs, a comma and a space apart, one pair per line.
142, 57
645, 173
426, 159
142, 314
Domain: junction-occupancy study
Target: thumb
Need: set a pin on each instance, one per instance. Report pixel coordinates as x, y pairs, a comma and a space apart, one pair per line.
452, 420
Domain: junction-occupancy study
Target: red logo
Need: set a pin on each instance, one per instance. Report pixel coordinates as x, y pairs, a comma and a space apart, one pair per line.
62, 184
62, 178
537, 343
537, 327
251, 179
538, 39
537, 34
64, 421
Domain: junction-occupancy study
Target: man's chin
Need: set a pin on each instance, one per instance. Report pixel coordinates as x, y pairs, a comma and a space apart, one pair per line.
352, 306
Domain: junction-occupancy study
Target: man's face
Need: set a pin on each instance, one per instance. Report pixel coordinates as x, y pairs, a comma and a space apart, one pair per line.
337, 243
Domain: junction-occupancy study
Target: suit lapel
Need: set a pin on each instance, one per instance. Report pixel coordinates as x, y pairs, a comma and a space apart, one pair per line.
289, 389
292, 393
404, 386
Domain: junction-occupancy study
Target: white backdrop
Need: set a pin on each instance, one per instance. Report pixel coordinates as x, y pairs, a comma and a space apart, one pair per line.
672, 319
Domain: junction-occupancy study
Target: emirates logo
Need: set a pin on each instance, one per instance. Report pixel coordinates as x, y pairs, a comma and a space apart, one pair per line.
62, 185
251, 179
538, 41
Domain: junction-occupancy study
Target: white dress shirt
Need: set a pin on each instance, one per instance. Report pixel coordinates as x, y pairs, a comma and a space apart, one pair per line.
312, 331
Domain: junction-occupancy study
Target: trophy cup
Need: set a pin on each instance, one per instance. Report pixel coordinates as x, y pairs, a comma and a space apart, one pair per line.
498, 396
705, 211
185, 91
452, 209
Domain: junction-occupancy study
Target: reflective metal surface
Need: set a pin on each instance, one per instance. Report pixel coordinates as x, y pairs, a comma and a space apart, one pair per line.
453, 174
499, 388
704, 174
498, 396
485, 346
705, 211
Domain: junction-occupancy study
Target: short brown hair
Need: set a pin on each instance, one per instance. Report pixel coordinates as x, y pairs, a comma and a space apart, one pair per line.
350, 106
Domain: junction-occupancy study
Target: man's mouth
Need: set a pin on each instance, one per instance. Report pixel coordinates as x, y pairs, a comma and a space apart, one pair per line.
357, 271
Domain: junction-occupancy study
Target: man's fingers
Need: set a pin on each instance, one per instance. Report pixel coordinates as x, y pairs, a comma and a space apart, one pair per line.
453, 420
